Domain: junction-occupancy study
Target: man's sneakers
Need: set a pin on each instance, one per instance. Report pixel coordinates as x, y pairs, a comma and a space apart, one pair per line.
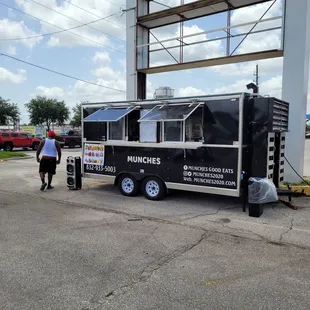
43, 186
50, 187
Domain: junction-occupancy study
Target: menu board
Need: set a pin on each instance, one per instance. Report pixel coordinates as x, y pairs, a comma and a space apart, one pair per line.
94, 154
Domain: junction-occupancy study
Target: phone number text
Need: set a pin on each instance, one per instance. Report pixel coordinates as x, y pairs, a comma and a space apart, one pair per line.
99, 168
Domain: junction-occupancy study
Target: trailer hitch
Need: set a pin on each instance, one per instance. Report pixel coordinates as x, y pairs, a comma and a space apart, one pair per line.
289, 193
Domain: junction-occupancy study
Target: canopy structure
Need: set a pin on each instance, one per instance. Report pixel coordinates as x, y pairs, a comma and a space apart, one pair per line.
148, 45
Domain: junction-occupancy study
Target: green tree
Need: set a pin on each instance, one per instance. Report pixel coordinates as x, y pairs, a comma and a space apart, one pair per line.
9, 112
47, 111
76, 119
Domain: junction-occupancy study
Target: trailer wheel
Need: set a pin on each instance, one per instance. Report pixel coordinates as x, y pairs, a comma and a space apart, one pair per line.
128, 185
154, 188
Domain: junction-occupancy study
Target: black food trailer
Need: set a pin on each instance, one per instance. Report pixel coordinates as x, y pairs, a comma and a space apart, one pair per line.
208, 144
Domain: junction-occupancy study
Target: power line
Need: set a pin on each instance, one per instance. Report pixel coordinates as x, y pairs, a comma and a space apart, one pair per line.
55, 32
69, 17
112, 2
85, 38
60, 73
91, 13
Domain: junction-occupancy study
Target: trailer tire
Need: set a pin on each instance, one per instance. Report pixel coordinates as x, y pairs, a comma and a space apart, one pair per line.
128, 185
154, 188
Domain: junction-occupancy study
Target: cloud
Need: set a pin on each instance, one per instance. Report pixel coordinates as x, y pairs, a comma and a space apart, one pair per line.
104, 71
189, 91
108, 73
11, 49
271, 87
51, 92
10, 77
266, 67
93, 92
111, 80
113, 26
10, 30
102, 58
238, 86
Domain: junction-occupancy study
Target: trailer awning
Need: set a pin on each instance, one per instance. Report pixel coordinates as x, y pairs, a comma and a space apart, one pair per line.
169, 113
109, 114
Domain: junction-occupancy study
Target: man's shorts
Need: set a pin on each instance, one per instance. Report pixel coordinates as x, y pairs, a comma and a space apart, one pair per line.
48, 165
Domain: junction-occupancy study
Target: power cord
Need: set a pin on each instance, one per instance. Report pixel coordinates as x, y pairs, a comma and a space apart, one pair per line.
296, 171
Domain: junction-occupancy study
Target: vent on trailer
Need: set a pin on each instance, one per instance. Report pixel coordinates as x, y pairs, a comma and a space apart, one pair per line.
270, 155
280, 115
281, 158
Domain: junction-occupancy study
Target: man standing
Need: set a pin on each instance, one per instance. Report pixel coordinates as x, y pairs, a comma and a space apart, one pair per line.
50, 148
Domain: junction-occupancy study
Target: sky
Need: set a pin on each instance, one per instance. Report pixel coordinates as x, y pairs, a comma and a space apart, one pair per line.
97, 52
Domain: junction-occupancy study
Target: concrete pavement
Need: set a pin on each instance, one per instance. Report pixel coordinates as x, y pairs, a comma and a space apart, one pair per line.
56, 255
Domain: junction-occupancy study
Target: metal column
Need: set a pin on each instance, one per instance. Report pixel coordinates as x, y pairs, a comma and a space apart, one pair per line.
131, 74
136, 35
295, 81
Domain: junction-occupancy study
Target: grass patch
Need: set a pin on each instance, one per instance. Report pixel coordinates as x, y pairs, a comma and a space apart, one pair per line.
6, 155
301, 183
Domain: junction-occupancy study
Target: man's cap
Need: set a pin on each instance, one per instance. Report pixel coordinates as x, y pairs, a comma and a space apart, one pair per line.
51, 133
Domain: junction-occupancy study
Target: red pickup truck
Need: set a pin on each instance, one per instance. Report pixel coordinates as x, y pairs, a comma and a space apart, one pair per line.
10, 140
71, 139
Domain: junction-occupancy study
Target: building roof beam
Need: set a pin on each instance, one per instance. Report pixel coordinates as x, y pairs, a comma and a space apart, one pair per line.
192, 10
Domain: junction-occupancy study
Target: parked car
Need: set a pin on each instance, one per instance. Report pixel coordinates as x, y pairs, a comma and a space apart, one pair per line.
36, 136
72, 138
10, 140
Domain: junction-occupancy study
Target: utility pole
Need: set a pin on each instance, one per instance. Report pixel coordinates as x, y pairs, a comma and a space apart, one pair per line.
256, 81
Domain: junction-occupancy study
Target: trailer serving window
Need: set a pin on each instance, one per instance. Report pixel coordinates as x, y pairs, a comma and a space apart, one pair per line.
114, 120
173, 118
93, 131
194, 126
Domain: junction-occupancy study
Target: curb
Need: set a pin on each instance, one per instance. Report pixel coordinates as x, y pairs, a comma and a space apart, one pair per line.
17, 158
298, 188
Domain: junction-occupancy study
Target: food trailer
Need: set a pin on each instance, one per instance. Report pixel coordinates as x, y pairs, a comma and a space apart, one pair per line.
208, 144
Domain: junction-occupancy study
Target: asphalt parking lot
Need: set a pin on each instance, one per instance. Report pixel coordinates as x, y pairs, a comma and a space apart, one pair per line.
220, 214
96, 249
